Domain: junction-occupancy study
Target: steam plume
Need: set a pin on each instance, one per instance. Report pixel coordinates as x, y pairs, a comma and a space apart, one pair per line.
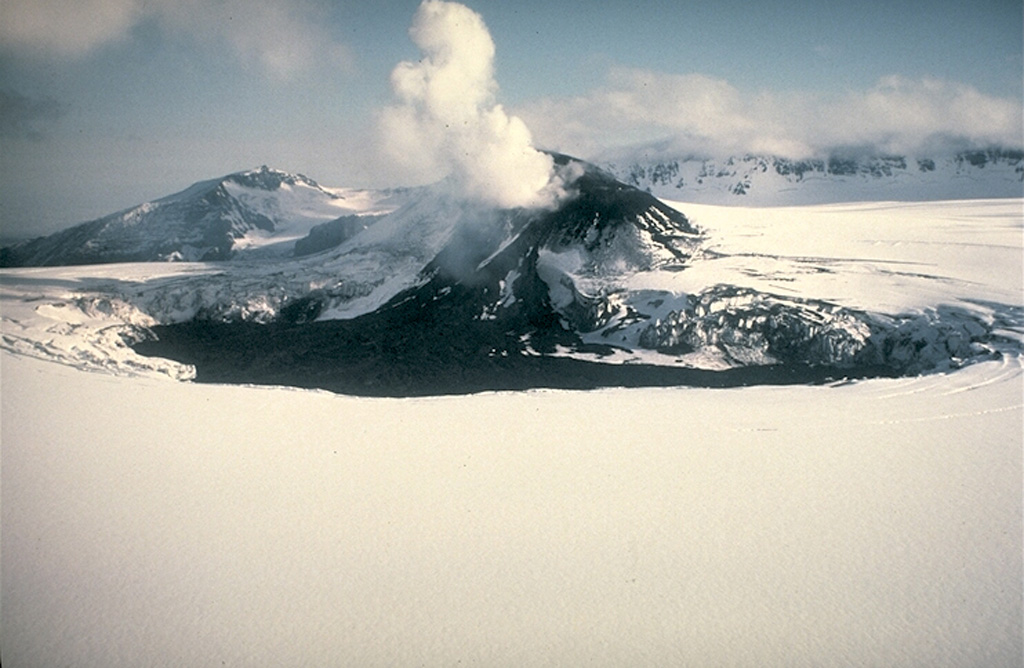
447, 122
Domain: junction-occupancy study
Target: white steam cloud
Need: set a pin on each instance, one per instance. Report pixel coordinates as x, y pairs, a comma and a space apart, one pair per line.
693, 113
447, 123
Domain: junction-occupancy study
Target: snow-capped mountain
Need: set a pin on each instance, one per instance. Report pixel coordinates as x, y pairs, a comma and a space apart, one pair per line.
755, 180
259, 213
595, 291
613, 286
266, 213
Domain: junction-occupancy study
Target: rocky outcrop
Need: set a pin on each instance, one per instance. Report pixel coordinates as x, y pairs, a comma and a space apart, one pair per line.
750, 328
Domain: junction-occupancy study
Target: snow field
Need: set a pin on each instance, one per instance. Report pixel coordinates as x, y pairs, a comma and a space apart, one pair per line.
888, 257
151, 522
147, 522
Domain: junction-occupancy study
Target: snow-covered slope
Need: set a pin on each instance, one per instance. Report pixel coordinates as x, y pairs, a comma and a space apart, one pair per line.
152, 523
258, 213
769, 181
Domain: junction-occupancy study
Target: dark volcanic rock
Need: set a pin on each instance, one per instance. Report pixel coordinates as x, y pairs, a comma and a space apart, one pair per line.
333, 233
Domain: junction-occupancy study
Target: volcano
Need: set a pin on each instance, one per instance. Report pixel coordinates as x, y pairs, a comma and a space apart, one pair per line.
444, 296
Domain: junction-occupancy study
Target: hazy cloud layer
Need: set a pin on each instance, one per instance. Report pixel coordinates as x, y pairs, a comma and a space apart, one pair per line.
27, 117
447, 122
281, 37
64, 28
699, 114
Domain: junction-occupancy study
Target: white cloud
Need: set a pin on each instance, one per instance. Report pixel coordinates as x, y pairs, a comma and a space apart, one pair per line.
66, 28
900, 114
281, 38
447, 122
699, 114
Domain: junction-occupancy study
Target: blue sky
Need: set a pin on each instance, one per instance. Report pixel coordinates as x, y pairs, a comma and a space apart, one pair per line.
108, 103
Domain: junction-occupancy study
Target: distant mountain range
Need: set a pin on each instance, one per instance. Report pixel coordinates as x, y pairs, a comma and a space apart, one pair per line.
266, 213
766, 180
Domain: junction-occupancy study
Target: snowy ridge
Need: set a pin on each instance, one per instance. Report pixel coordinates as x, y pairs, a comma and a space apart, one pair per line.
753, 180
259, 213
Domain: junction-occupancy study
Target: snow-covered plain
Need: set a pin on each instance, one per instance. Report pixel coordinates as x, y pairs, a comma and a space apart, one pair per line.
153, 522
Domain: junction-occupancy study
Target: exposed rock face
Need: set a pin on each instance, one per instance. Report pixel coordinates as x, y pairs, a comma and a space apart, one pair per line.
333, 233
753, 328
746, 327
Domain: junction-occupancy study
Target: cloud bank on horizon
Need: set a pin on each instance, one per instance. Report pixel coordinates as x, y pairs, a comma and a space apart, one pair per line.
447, 122
695, 114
